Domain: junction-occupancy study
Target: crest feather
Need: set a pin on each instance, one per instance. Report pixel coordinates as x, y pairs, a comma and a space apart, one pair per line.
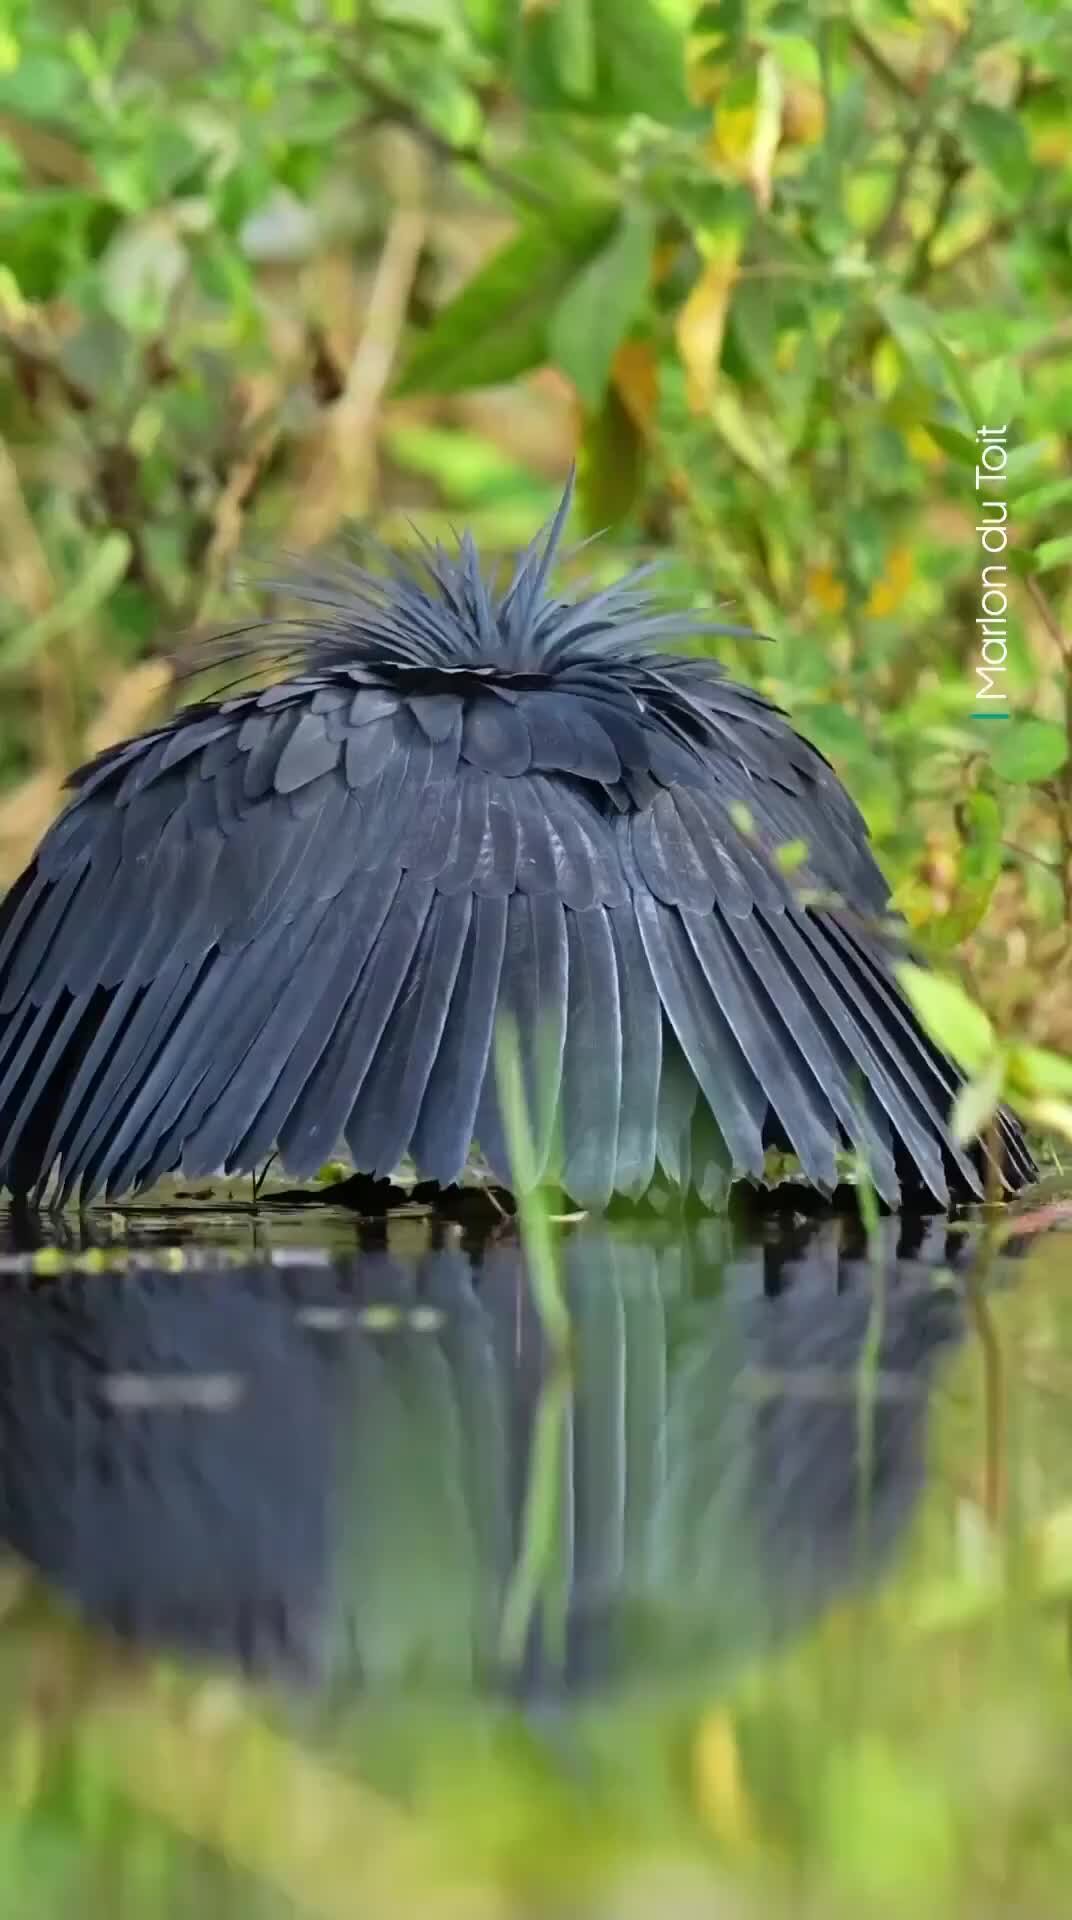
438, 612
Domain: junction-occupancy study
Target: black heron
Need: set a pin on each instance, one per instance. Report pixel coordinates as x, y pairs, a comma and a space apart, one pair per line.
286, 921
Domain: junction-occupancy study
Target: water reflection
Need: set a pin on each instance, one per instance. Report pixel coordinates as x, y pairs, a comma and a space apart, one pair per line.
322, 1466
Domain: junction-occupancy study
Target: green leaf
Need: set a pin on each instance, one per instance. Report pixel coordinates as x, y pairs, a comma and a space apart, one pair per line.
619, 56
641, 59
726, 17
977, 1101
915, 328
1054, 1115
41, 85
1042, 499
1029, 750
957, 445
1054, 553
1035, 1070
1023, 563
838, 733
997, 142
497, 327
748, 434
949, 1016
954, 369
597, 311
573, 48
980, 823
791, 855
999, 390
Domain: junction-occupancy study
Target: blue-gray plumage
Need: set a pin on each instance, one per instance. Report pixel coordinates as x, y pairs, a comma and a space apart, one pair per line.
291, 919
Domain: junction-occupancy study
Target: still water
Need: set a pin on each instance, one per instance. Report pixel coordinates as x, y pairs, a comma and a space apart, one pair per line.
333, 1586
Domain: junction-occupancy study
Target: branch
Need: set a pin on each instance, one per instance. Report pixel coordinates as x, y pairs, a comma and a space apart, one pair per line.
882, 68
954, 167
340, 480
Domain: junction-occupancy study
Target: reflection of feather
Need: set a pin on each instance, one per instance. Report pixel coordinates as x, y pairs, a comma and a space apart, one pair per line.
323, 1469
200, 1522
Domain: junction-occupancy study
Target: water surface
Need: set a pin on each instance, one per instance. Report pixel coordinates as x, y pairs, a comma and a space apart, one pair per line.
331, 1585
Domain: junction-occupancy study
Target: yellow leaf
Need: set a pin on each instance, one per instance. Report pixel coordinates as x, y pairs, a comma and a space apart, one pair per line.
824, 587
887, 367
1051, 144
888, 592
705, 74
914, 901
701, 321
14, 310
746, 132
720, 1792
767, 131
734, 132
954, 13
923, 448
635, 374
803, 115
1051, 1114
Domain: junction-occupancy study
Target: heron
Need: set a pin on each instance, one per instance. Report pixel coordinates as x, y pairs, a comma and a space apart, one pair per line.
292, 919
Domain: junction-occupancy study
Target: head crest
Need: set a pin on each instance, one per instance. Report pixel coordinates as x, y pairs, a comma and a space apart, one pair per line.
438, 611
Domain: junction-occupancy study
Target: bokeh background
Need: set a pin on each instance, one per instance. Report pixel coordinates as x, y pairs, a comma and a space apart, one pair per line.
761, 269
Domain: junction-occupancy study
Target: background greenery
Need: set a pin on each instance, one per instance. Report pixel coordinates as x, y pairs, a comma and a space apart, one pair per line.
764, 269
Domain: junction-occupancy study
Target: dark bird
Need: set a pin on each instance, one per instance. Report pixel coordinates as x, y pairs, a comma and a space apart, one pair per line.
288, 920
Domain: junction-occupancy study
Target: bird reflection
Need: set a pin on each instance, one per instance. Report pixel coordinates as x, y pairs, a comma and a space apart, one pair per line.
322, 1468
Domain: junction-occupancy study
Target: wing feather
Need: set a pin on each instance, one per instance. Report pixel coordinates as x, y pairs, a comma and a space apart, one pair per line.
806, 1021
534, 985
793, 1094
642, 1048
309, 1015
727, 1081
447, 1120
315, 1125
591, 1060
381, 1124
914, 1118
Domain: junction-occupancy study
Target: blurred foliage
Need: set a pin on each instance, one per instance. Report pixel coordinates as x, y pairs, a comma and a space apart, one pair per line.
766, 270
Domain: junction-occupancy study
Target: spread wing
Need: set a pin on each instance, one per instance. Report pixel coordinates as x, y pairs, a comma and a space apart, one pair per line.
294, 920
